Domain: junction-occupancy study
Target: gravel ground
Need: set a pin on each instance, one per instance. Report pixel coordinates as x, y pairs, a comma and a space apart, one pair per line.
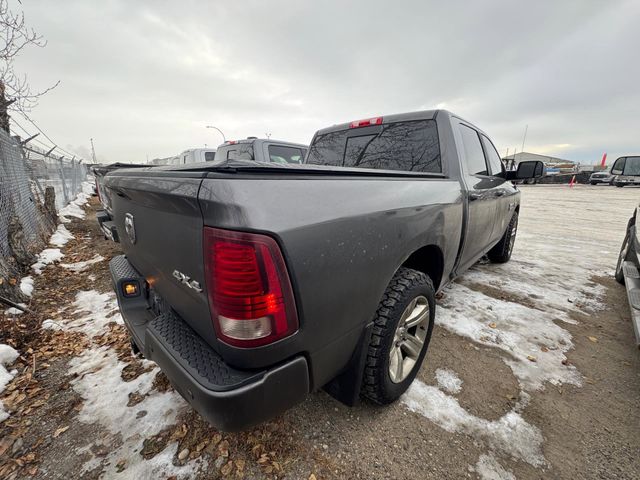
532, 373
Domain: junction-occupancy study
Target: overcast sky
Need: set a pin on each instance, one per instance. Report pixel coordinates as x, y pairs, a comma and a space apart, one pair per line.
146, 77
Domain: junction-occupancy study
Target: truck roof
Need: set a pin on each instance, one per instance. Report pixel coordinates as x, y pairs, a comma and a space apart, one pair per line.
262, 140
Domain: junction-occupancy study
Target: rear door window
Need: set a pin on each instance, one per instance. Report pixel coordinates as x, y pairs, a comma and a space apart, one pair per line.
632, 166
406, 146
209, 156
493, 158
284, 154
473, 154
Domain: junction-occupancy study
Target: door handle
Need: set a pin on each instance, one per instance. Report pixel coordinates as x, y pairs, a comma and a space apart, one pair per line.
474, 196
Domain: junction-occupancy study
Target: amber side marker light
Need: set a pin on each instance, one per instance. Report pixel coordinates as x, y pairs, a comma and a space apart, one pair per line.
131, 289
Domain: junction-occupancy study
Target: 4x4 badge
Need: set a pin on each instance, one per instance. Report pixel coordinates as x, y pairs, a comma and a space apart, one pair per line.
182, 278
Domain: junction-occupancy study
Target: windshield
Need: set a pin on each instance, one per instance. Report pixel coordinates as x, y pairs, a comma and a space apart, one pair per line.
407, 146
632, 166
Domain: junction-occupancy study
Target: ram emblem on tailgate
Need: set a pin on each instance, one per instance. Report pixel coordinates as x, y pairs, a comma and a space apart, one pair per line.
182, 278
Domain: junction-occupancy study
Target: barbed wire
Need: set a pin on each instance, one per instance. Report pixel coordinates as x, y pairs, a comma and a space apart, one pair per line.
53, 145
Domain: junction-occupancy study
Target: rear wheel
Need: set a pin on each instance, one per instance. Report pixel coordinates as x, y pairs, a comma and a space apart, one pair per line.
501, 252
619, 185
593, 183
400, 338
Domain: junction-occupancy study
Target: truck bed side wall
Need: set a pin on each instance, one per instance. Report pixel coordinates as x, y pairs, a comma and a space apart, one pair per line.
357, 230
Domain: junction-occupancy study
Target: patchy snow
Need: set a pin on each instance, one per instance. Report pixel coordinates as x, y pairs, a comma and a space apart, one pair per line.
448, 381
15, 311
510, 434
488, 468
50, 324
61, 236
106, 395
535, 344
74, 209
81, 266
46, 257
100, 309
8, 355
26, 286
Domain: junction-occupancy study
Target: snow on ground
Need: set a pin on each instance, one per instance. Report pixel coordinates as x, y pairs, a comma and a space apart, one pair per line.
8, 355
510, 434
15, 311
488, 468
562, 242
81, 266
448, 381
74, 209
106, 395
26, 286
61, 236
46, 257
100, 309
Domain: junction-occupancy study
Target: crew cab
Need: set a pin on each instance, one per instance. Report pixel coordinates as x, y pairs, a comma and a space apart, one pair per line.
252, 284
626, 171
262, 150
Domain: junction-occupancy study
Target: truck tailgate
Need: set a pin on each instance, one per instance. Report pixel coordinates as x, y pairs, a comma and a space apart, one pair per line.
160, 226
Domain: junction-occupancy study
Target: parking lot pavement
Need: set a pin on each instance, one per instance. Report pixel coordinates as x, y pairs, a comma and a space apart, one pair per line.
531, 373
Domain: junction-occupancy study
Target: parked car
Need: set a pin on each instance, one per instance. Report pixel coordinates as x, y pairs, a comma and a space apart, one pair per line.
601, 177
192, 155
262, 150
628, 271
626, 171
251, 284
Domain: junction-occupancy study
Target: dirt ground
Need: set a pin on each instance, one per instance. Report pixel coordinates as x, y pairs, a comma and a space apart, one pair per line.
543, 347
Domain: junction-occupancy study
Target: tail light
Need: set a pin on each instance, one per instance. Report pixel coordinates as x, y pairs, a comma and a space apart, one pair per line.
366, 122
249, 290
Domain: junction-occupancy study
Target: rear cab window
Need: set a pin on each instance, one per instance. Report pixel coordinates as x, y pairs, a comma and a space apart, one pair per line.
209, 156
236, 151
285, 154
411, 146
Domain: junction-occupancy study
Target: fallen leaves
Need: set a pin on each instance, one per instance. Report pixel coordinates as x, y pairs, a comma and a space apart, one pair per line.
60, 431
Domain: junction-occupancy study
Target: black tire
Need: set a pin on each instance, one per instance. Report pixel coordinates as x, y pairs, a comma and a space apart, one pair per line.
593, 183
619, 185
406, 286
501, 252
622, 257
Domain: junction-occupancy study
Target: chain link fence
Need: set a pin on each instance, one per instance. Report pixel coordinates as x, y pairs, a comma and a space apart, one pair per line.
34, 185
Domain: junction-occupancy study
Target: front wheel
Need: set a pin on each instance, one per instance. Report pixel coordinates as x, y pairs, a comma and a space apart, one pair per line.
401, 333
501, 252
619, 185
593, 183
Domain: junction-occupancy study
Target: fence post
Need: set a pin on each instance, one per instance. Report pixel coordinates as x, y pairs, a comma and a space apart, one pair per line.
64, 181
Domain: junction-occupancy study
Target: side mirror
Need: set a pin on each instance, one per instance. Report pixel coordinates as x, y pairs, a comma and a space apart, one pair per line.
528, 169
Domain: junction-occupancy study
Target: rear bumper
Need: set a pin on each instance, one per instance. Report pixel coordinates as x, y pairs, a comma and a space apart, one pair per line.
230, 399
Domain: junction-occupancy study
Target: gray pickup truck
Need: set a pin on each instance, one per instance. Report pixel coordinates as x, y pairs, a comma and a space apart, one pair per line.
252, 284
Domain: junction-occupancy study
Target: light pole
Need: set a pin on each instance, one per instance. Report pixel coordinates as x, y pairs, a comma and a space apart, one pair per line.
224, 139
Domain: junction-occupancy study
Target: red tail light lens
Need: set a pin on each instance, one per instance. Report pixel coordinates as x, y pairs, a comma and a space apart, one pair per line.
249, 290
367, 122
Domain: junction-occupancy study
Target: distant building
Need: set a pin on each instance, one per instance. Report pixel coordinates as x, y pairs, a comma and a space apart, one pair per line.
552, 164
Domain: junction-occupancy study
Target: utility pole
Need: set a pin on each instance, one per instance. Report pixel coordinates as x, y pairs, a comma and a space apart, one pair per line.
524, 137
93, 151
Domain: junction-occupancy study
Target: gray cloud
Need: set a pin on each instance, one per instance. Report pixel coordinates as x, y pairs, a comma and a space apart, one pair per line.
144, 78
